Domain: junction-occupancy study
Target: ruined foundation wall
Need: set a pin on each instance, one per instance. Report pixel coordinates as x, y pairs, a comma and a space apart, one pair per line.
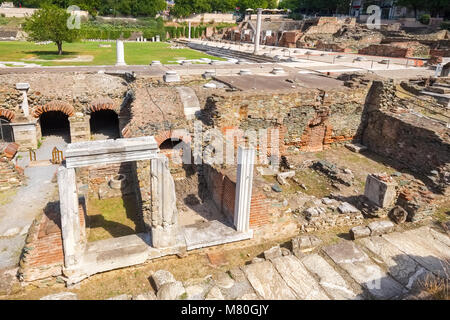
419, 143
308, 120
397, 50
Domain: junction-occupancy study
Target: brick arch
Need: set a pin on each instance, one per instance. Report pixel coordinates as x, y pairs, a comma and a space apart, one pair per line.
8, 114
177, 133
62, 106
103, 104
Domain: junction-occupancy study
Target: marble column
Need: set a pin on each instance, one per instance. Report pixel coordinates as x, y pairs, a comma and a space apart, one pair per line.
258, 31
70, 220
24, 87
189, 37
120, 53
244, 184
165, 228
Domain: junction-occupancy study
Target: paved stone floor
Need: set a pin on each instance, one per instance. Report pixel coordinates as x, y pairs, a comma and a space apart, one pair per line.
391, 266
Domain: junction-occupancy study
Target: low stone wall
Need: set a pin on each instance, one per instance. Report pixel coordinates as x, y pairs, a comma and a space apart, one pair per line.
223, 193
397, 50
11, 176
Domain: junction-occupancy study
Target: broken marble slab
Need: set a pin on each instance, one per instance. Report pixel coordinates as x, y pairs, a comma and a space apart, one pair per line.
267, 282
364, 271
299, 279
399, 265
431, 254
330, 280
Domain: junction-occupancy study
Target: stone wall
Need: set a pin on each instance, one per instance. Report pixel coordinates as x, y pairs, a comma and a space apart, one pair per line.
11, 175
76, 95
397, 50
418, 143
306, 119
79, 91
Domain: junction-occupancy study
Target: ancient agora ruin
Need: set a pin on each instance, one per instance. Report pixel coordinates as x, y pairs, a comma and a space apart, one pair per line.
311, 161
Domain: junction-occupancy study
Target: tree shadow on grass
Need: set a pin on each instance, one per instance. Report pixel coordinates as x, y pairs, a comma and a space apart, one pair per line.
115, 229
53, 54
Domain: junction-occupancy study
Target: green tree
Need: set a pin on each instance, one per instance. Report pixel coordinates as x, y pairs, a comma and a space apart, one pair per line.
50, 24
415, 5
147, 7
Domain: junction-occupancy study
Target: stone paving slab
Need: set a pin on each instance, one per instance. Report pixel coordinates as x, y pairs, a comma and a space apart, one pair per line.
299, 279
431, 239
368, 274
330, 280
421, 251
445, 239
267, 282
240, 288
211, 234
400, 266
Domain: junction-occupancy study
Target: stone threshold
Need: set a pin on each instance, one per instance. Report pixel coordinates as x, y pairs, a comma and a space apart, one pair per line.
212, 233
109, 254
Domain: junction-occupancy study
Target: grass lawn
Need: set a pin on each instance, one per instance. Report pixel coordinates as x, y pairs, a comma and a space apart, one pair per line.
113, 218
136, 53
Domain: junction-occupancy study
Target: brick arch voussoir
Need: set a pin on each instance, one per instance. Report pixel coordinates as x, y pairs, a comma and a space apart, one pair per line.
169, 134
104, 104
8, 114
62, 106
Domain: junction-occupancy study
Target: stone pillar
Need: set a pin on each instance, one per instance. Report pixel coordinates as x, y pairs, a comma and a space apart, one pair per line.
381, 190
189, 37
25, 134
244, 183
80, 128
70, 220
258, 31
120, 53
165, 229
23, 87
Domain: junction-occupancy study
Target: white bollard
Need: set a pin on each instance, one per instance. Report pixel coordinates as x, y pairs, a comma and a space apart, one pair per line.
120, 53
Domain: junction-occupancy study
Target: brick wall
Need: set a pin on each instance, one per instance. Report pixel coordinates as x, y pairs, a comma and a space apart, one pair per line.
223, 192
309, 120
43, 254
397, 50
